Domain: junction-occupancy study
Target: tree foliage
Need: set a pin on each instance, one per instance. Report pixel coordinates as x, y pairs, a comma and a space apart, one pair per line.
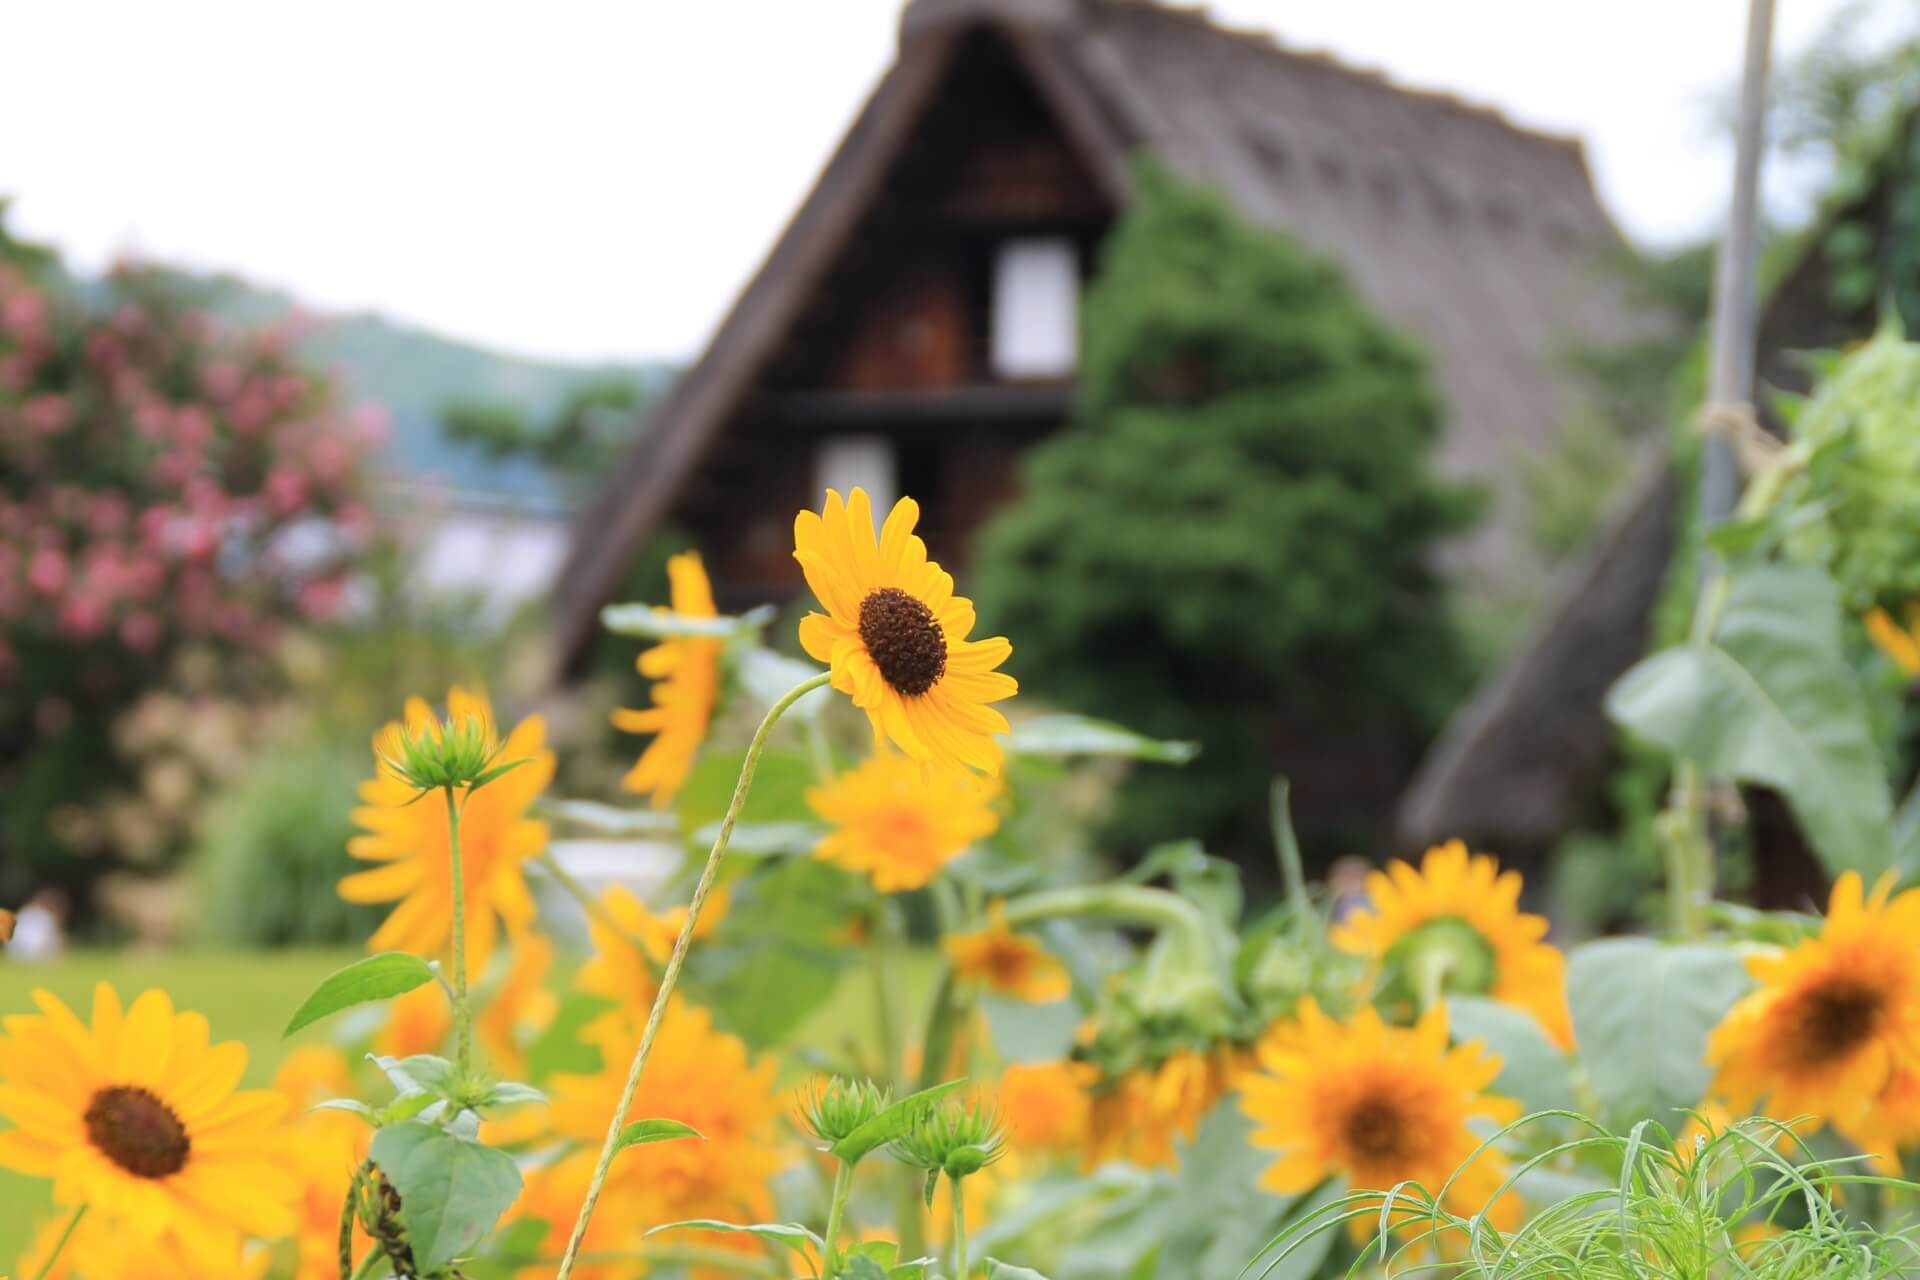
1237, 530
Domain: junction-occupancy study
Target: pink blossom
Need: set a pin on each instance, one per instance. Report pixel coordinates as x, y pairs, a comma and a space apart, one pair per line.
140, 631
83, 615
192, 427
286, 489
47, 571
45, 414
320, 599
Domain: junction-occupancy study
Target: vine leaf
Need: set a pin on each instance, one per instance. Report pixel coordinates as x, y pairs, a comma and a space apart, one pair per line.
452, 1189
1772, 700
381, 977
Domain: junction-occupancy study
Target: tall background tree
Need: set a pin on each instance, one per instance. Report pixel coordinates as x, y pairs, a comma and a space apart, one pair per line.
1234, 541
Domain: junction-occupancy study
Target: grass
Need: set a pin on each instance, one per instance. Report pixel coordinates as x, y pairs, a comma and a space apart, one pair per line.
248, 996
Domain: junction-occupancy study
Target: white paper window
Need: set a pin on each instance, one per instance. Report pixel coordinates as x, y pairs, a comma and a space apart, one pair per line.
1036, 309
865, 462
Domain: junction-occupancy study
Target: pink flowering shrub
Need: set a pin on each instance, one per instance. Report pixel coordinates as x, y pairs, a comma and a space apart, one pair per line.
167, 489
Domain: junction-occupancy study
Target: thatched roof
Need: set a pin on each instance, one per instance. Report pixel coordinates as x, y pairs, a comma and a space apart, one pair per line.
1474, 235
1522, 763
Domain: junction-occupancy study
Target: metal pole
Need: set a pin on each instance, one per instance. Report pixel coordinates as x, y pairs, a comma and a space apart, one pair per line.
1730, 380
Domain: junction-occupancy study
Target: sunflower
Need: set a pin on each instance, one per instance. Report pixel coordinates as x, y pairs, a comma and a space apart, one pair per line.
521, 1007
418, 1022
686, 675
698, 1075
1461, 913
1835, 1018
99, 1250
895, 635
1045, 1105
1137, 1116
321, 1149
410, 840
625, 972
1004, 962
1379, 1105
138, 1117
1901, 643
900, 822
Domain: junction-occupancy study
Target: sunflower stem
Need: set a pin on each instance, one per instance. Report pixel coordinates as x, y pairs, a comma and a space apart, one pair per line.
671, 976
367, 1264
60, 1247
462, 1009
836, 1217
959, 1229
886, 994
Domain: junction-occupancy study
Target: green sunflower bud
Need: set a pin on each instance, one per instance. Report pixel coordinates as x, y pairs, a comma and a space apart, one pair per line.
451, 752
954, 1138
832, 1110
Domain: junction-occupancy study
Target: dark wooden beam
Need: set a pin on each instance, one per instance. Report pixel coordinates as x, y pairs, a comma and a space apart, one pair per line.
981, 405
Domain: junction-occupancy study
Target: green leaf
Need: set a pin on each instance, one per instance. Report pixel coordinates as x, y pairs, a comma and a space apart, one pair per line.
1072, 735
860, 1267
998, 1270
791, 1234
1642, 1012
654, 623
512, 1093
452, 1189
642, 1132
352, 1106
423, 1073
1772, 700
381, 977
890, 1123
1024, 1032
1532, 1067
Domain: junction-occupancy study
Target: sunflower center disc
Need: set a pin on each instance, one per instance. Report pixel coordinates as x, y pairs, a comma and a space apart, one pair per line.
137, 1131
1373, 1131
903, 640
1836, 1018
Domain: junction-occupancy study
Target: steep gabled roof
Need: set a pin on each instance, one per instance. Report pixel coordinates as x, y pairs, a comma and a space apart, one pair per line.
1474, 235
1519, 764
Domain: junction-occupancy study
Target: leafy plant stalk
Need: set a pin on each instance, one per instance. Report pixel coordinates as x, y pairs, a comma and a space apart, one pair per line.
671, 976
462, 1008
959, 1229
60, 1246
347, 1215
836, 1217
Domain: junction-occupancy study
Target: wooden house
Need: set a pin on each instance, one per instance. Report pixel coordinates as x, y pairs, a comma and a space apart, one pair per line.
915, 327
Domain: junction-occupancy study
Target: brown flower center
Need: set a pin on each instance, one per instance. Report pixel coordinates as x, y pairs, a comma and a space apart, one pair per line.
903, 640
1374, 1131
138, 1132
1834, 1020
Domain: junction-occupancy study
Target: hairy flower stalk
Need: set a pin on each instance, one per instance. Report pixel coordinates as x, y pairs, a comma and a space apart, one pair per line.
462, 1007
670, 977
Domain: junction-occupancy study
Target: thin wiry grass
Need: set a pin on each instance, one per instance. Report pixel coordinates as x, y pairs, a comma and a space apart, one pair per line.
1748, 1202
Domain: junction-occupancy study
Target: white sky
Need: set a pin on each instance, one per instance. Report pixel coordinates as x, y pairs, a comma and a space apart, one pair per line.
582, 179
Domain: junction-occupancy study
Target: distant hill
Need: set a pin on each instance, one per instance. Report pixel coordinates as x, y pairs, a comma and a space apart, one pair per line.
414, 373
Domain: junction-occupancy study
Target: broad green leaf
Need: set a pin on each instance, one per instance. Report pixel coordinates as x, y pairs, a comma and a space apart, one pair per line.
860, 1267
1532, 1067
423, 1073
381, 977
655, 623
452, 1189
1642, 1012
611, 820
775, 964
1029, 1033
791, 1234
890, 1123
641, 1132
1772, 700
512, 1093
998, 1270
1072, 735
352, 1106
767, 677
